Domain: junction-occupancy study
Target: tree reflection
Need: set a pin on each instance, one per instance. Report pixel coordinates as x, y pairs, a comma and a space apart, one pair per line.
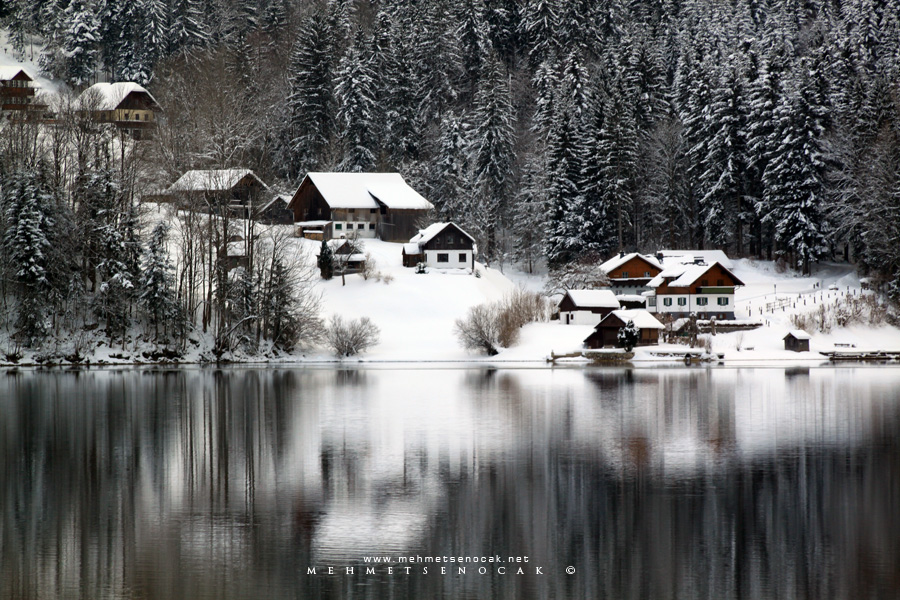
652, 483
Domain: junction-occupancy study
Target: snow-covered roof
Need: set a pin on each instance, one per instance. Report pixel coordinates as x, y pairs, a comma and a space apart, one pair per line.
211, 180
426, 235
618, 261
593, 298
640, 317
312, 223
689, 256
798, 334
110, 95
7, 72
283, 199
683, 275
361, 190
631, 298
411, 248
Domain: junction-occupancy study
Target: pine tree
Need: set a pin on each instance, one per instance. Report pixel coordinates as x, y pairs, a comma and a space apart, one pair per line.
356, 95
310, 102
794, 179
449, 173
721, 182
156, 281
566, 229
79, 44
326, 260
493, 136
27, 245
539, 27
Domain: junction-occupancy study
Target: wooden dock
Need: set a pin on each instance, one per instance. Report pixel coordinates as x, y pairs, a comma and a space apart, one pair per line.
863, 355
605, 357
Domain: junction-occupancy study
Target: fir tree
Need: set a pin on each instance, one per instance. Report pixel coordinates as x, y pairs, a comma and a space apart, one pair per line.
493, 136
326, 260
80, 38
156, 281
356, 95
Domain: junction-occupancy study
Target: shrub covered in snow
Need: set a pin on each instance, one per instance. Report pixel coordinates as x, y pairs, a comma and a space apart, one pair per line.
489, 327
350, 337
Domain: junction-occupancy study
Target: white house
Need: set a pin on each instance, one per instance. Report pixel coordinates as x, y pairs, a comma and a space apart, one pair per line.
586, 307
685, 288
441, 246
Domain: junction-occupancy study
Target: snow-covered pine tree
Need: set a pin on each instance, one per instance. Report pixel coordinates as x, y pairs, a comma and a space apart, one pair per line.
26, 248
721, 182
326, 260
157, 293
566, 233
795, 179
539, 27
628, 336
310, 99
81, 34
449, 174
474, 44
356, 96
493, 137
529, 214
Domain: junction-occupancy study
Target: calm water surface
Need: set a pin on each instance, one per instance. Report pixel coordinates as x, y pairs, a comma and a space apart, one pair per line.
655, 483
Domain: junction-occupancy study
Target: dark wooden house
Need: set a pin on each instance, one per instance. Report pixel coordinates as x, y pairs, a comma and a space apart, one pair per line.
369, 205
797, 341
276, 211
18, 93
441, 246
125, 104
606, 333
630, 273
237, 191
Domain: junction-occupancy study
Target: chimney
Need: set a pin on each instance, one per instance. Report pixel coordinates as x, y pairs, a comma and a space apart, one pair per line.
621, 254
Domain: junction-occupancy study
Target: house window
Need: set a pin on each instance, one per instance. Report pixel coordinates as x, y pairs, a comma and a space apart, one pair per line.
667, 302
702, 301
624, 274
372, 211
720, 282
704, 282
462, 257
646, 273
351, 210
651, 301
682, 301
443, 257
371, 225
361, 226
723, 301
338, 226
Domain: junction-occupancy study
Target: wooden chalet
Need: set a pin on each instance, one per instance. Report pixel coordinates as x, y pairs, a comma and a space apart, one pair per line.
370, 205
125, 104
18, 93
606, 333
441, 246
630, 273
276, 211
586, 307
348, 255
682, 289
797, 341
216, 190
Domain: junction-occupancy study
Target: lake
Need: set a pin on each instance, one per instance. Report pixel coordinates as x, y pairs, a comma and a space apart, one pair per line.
471, 482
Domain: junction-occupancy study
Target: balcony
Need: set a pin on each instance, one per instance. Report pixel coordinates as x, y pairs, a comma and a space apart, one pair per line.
715, 290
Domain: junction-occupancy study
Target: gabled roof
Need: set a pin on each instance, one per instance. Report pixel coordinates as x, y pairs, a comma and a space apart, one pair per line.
593, 298
684, 275
110, 95
211, 180
640, 317
671, 257
10, 72
282, 199
798, 334
617, 261
426, 235
367, 190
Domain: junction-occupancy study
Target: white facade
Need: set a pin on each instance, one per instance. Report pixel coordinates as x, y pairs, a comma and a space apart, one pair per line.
449, 259
581, 317
701, 304
363, 229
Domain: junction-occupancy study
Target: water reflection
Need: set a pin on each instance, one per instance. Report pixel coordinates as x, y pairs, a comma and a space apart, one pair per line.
670, 483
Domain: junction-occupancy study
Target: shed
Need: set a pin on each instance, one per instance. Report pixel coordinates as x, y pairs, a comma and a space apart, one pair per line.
606, 333
797, 341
